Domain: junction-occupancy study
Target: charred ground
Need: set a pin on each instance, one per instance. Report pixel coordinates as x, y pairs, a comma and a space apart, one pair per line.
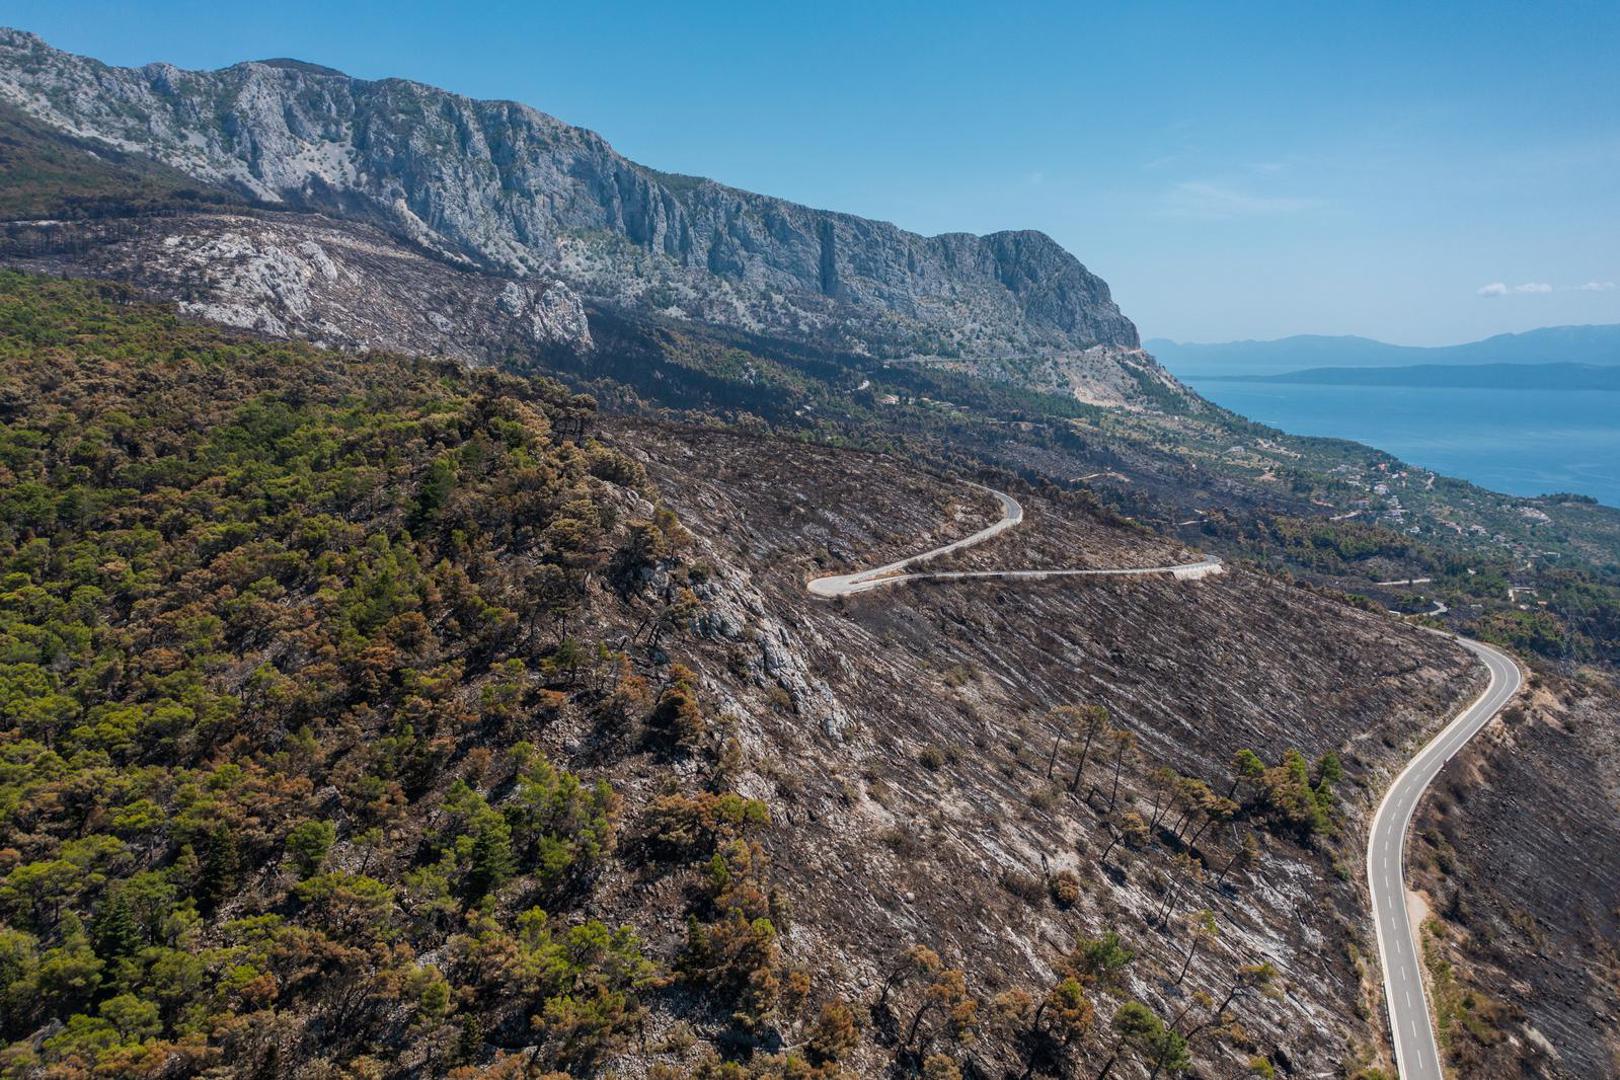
1519, 857
923, 806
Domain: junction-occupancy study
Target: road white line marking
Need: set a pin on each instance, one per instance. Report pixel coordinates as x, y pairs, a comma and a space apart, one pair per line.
1392, 818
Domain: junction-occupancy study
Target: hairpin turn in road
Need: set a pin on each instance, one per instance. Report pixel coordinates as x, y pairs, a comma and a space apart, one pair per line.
1012, 513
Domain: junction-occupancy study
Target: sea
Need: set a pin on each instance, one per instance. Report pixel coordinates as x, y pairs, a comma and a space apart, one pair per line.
1515, 441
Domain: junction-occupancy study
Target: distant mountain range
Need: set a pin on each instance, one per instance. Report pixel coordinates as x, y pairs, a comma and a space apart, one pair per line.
1550, 345
1556, 376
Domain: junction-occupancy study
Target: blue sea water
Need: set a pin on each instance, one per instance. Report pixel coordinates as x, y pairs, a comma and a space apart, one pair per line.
1517, 441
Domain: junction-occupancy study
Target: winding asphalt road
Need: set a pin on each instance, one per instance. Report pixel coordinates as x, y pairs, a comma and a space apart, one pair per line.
1011, 514
1399, 949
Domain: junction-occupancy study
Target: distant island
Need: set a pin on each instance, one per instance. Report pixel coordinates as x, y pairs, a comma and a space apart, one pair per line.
1549, 345
1556, 376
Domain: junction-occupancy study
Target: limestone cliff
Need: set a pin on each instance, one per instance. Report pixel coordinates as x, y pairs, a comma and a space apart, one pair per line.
501, 186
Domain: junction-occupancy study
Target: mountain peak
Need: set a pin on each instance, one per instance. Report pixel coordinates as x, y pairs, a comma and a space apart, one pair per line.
301, 66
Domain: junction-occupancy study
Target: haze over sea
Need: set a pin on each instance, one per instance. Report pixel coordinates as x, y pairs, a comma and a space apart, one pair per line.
1516, 441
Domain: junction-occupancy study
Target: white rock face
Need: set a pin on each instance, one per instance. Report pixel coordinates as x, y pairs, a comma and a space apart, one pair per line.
319, 260
255, 284
734, 609
553, 313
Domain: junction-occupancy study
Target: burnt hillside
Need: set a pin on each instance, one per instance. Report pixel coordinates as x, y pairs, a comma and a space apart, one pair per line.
914, 743
1518, 854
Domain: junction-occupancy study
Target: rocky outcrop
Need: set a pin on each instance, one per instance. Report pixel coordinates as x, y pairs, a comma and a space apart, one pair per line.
501, 186
339, 284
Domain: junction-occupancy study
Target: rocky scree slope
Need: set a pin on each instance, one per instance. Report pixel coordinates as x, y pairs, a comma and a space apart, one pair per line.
503, 186
339, 284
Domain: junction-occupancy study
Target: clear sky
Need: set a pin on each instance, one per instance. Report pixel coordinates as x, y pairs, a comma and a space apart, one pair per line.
1421, 173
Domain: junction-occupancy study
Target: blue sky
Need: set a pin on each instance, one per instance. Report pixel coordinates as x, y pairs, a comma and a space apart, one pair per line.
1245, 170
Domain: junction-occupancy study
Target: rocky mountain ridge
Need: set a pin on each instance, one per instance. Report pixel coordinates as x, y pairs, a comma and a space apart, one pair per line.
503, 187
